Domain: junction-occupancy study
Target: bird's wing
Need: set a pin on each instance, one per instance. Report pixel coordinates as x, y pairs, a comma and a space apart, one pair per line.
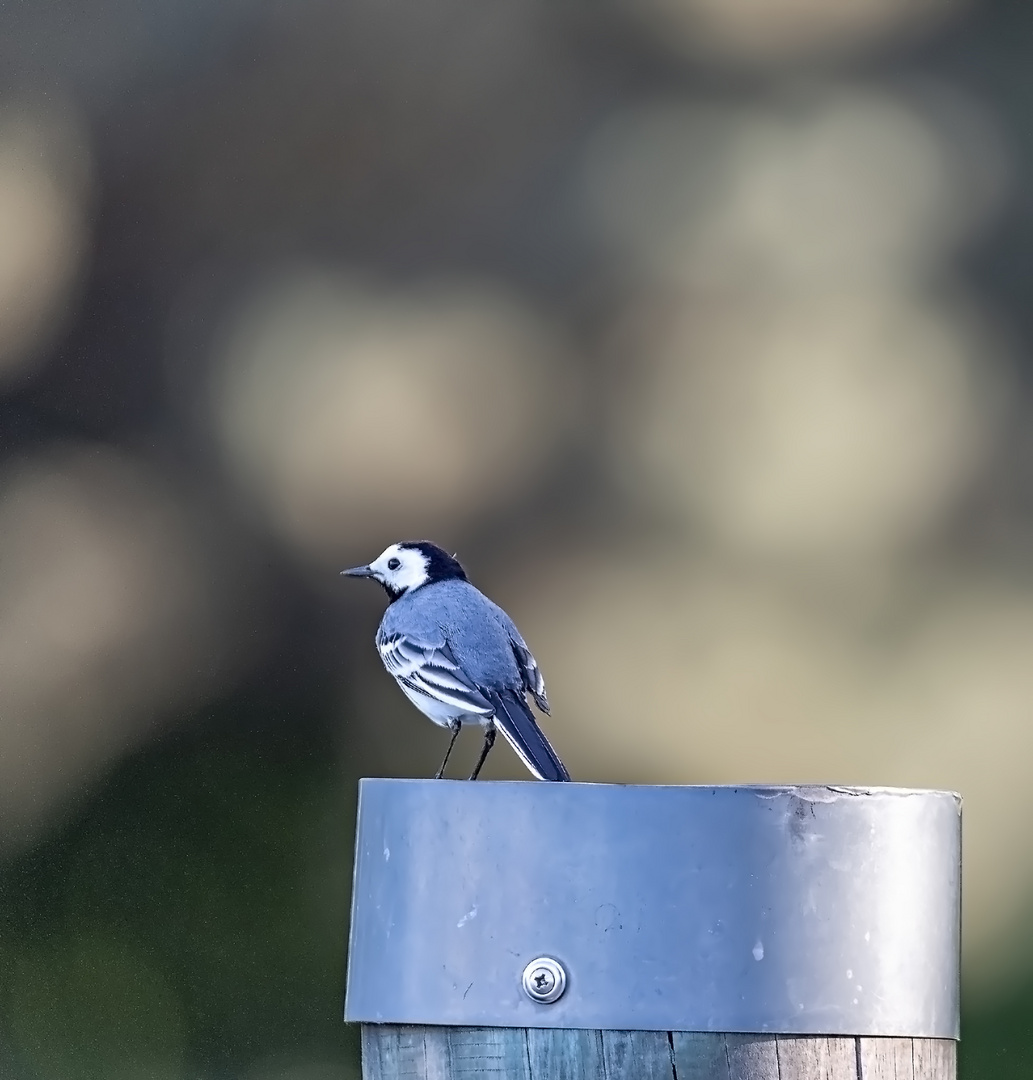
430, 668
530, 674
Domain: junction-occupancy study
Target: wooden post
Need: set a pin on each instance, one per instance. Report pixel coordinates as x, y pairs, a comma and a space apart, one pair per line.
561, 931
391, 1051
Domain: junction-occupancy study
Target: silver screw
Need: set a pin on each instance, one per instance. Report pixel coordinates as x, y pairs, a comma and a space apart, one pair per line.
544, 980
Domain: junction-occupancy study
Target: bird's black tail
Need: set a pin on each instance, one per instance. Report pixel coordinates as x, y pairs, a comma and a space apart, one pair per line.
514, 719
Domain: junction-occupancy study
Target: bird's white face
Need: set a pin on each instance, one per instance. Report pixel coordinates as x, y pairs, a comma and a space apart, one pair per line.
400, 568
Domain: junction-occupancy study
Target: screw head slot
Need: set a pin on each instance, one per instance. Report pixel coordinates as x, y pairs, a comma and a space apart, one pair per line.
544, 980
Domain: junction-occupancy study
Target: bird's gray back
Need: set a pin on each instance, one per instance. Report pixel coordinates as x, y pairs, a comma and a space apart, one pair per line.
479, 633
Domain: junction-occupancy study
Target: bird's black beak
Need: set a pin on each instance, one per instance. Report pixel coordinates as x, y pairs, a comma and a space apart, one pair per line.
358, 571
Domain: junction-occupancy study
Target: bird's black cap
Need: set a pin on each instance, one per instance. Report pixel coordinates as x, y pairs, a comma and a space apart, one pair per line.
440, 565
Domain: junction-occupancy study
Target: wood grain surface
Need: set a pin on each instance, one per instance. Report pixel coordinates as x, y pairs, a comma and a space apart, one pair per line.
393, 1052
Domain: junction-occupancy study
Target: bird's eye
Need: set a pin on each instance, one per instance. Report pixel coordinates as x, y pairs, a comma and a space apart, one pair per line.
393, 564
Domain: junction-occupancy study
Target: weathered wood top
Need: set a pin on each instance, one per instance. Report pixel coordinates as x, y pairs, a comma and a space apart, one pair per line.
393, 1052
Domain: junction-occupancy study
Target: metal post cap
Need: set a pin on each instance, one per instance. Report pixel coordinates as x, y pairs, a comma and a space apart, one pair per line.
808, 910
544, 980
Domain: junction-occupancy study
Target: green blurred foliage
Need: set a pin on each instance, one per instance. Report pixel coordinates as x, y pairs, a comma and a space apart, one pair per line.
997, 1042
190, 921
87, 1006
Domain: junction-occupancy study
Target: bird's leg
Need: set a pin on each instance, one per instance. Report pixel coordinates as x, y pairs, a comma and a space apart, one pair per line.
489, 742
455, 726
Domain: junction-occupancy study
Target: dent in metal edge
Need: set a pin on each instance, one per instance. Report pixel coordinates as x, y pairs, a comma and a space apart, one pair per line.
830, 793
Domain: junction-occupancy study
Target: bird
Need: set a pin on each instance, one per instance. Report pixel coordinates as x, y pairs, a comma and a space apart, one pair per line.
457, 656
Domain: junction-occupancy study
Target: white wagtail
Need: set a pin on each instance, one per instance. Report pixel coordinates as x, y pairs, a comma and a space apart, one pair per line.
457, 656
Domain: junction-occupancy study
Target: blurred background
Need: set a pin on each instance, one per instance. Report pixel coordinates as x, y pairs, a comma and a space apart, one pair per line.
700, 329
